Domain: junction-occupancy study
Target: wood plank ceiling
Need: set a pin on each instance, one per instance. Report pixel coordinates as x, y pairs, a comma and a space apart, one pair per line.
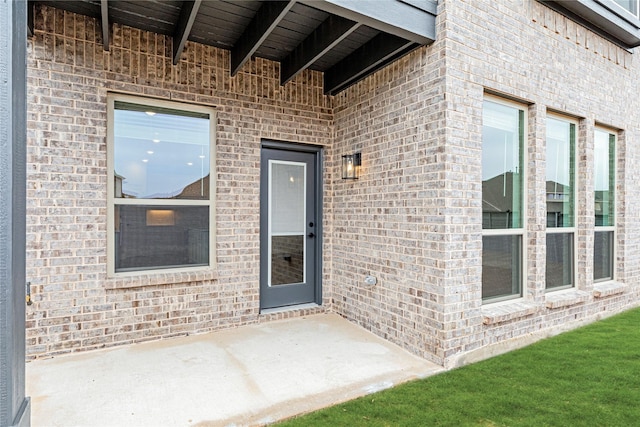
345, 39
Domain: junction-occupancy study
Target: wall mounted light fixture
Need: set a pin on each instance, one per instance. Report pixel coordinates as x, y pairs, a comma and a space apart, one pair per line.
351, 165
160, 217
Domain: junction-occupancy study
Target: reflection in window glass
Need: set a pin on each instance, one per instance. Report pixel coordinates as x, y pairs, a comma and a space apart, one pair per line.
560, 173
604, 204
501, 269
503, 138
559, 269
161, 160
502, 166
561, 189
604, 171
603, 256
149, 237
160, 153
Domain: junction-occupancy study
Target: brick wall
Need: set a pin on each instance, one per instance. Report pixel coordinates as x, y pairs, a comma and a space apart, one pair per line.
567, 70
415, 219
391, 222
76, 307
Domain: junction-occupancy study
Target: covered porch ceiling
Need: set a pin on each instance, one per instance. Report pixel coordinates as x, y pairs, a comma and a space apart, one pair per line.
345, 39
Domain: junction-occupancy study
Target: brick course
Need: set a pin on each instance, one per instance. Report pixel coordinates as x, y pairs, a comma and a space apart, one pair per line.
76, 307
419, 230
413, 219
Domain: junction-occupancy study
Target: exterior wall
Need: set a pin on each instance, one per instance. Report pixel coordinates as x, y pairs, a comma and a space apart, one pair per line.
390, 223
415, 219
76, 307
568, 70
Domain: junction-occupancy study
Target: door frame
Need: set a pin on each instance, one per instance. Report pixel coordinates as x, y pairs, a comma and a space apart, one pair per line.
15, 406
319, 186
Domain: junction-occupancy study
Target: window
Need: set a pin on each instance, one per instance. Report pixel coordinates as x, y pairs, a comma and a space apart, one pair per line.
160, 156
630, 6
604, 204
616, 20
561, 197
503, 135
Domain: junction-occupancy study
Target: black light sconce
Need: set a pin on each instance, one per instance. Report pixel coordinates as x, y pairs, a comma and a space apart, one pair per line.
351, 166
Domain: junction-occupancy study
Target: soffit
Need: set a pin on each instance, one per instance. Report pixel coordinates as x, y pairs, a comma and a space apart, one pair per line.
345, 39
604, 17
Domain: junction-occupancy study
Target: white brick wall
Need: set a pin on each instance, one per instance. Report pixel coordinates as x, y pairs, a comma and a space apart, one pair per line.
413, 220
390, 223
75, 306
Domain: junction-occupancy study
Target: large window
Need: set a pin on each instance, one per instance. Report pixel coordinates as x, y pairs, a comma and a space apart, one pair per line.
561, 202
160, 192
604, 204
503, 136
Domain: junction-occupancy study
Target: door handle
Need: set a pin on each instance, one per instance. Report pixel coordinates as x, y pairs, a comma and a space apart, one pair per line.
311, 235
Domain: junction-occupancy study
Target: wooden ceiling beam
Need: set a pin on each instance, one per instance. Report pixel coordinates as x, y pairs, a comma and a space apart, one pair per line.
262, 24
104, 17
332, 31
188, 13
30, 7
372, 55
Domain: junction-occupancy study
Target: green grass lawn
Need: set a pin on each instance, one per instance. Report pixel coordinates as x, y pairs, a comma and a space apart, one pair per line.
586, 377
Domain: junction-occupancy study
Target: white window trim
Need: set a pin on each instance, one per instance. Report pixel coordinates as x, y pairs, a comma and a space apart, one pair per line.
514, 231
561, 230
112, 97
619, 9
567, 230
611, 228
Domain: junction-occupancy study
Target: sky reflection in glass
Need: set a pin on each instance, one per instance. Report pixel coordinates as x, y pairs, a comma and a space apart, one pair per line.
162, 155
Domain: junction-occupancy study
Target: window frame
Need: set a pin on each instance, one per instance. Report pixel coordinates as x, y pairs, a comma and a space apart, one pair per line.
573, 230
520, 231
604, 17
609, 228
618, 8
112, 201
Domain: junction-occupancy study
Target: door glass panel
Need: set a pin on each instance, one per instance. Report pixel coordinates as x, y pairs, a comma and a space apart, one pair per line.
287, 259
287, 188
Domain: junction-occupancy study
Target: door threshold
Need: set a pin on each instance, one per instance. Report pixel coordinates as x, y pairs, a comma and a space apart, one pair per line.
289, 308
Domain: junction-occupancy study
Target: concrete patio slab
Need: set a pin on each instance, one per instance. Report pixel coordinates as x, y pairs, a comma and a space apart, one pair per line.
251, 375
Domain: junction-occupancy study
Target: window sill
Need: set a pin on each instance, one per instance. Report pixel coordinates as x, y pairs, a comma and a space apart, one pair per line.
566, 298
607, 289
160, 278
504, 312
